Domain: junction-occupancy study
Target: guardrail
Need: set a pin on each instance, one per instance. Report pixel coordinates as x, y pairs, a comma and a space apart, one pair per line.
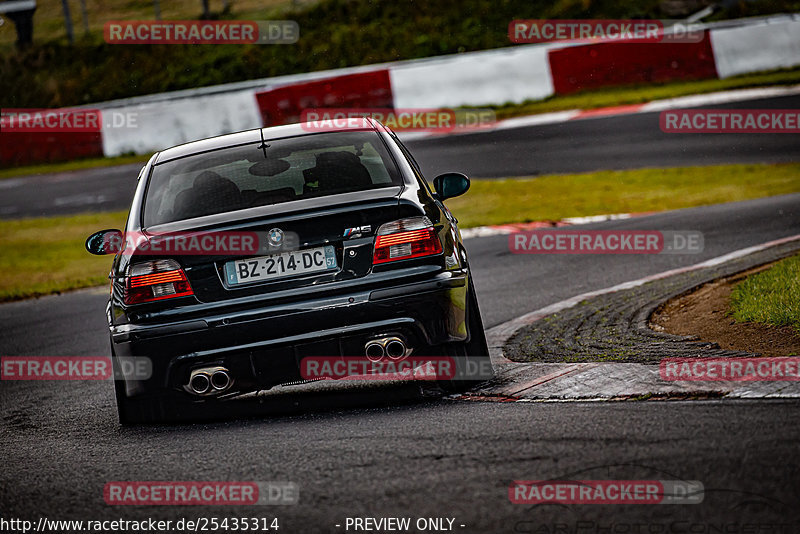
511, 74
21, 14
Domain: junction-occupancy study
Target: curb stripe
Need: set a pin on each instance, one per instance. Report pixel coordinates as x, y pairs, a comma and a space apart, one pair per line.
497, 336
505, 229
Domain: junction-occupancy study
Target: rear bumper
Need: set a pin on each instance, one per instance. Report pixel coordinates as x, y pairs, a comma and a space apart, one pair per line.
263, 346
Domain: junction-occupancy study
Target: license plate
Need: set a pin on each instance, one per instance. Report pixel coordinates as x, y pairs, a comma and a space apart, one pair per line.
282, 265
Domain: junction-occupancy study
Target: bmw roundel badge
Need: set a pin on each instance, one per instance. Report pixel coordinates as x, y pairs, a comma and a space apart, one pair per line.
275, 237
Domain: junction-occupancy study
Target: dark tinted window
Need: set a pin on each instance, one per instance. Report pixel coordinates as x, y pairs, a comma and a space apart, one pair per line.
242, 177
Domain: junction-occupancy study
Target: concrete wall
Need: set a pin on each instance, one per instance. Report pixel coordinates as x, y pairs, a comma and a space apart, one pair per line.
756, 48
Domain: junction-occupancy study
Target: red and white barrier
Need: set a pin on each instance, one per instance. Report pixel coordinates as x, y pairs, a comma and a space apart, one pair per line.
756, 48
511, 74
507, 75
150, 126
284, 104
24, 148
46, 135
605, 64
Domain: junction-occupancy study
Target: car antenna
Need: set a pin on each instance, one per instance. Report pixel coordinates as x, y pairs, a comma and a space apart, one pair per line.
264, 145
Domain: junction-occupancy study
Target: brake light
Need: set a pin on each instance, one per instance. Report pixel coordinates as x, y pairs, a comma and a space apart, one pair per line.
155, 280
405, 239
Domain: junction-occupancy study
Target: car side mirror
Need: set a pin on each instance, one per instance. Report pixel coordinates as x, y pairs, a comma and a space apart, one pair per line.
104, 242
450, 184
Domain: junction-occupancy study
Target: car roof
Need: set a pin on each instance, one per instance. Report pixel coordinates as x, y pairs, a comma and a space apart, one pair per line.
252, 136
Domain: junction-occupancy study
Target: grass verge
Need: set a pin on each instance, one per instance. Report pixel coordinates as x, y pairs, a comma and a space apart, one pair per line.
771, 297
42, 256
46, 255
554, 197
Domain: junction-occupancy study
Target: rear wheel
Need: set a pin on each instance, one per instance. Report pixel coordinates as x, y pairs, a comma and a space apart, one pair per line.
472, 361
144, 409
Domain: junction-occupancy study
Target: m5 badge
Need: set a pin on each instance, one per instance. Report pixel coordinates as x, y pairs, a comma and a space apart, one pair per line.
358, 231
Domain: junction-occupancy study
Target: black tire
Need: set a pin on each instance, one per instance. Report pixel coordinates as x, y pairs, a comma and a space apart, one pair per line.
469, 355
145, 409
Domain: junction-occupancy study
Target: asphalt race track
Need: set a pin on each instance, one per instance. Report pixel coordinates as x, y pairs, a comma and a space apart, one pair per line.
388, 450
613, 142
381, 451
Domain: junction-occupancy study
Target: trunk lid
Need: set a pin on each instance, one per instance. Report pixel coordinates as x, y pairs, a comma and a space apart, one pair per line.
314, 242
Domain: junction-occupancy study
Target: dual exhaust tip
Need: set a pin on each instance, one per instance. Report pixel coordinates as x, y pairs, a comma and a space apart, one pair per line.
209, 381
217, 380
393, 348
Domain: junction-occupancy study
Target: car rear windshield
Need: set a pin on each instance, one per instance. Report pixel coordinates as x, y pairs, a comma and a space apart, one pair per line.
285, 170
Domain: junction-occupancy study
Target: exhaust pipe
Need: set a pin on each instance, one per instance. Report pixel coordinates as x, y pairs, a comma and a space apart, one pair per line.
220, 380
200, 383
209, 381
395, 348
392, 347
374, 351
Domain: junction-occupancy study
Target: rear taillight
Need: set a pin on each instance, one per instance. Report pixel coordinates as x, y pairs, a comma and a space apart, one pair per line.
155, 280
404, 239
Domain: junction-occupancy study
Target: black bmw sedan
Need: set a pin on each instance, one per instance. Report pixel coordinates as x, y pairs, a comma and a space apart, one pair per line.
351, 254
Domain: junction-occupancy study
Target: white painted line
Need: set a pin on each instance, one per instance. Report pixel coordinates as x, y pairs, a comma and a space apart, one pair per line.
498, 335
8, 183
721, 97
597, 218
689, 101
537, 120
80, 200
482, 231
